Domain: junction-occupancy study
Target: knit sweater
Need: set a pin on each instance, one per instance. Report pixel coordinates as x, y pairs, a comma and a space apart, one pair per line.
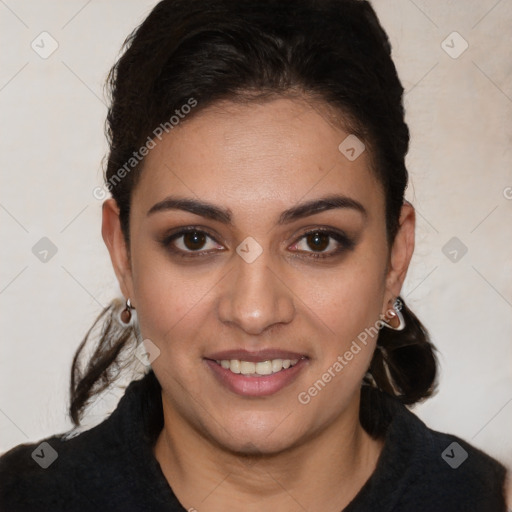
111, 467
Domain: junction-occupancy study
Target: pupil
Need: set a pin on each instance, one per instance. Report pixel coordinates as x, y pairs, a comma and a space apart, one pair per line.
318, 241
194, 240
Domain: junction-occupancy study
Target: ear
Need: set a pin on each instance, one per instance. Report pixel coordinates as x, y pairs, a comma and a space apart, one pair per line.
114, 240
401, 253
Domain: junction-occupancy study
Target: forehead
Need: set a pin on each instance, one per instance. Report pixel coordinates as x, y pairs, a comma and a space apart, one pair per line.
256, 154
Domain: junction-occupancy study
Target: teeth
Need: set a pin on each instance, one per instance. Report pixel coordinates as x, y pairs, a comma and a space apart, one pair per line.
246, 368
277, 365
264, 368
261, 368
234, 366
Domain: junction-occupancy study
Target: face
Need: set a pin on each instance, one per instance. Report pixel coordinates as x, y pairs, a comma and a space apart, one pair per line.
256, 244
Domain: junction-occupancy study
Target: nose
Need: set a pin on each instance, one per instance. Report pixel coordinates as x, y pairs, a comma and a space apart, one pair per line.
255, 297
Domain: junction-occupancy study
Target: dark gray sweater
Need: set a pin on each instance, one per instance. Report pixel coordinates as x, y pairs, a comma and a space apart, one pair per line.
111, 467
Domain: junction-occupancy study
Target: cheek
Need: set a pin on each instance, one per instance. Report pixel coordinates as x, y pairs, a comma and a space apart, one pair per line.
171, 301
346, 307
347, 299
176, 303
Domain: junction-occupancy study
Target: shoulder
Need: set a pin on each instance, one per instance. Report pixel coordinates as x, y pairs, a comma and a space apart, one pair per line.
424, 470
108, 467
49, 474
463, 474
447, 473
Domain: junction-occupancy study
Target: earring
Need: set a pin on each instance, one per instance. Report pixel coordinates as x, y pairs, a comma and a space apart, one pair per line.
395, 313
126, 316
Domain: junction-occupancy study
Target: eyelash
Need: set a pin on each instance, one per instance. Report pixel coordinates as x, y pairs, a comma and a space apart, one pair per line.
345, 243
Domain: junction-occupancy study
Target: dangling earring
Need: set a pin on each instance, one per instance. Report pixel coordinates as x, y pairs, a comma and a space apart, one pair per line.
126, 317
395, 313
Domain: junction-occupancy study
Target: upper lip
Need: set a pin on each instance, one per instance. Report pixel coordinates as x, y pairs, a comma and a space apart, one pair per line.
255, 356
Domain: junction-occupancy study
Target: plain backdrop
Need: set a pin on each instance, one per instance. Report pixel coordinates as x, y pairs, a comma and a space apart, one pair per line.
459, 109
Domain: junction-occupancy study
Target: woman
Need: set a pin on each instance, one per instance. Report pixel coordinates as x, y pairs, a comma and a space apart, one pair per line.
260, 236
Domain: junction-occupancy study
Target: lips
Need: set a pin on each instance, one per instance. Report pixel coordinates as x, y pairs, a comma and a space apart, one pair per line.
256, 356
229, 366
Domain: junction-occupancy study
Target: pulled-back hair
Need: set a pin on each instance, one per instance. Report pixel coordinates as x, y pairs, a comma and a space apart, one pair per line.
199, 52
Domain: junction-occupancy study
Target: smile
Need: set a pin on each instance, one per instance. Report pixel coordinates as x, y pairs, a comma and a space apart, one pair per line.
264, 374
255, 369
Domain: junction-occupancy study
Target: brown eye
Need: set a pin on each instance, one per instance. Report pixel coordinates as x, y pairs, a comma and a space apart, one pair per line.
194, 240
191, 242
322, 243
318, 241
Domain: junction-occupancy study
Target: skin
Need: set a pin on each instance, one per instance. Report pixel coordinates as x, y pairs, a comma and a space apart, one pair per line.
221, 451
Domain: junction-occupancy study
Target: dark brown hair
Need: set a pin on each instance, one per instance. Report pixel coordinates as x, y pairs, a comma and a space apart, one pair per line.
333, 51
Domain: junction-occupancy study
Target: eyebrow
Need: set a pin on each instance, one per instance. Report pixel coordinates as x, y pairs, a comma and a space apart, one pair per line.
224, 215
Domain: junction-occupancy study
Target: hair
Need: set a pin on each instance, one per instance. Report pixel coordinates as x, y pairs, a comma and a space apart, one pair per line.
201, 52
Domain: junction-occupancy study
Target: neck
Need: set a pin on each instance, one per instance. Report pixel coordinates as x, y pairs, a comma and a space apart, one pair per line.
203, 475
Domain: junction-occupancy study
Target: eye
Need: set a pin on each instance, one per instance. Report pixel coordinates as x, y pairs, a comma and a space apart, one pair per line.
191, 242
322, 243
318, 243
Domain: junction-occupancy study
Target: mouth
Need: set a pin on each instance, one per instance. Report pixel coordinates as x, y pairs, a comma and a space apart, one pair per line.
261, 373
260, 368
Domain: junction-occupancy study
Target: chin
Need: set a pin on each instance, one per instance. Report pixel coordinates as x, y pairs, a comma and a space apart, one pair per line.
258, 437
258, 447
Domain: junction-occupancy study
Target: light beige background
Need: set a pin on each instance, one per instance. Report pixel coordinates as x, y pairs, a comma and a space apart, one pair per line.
459, 111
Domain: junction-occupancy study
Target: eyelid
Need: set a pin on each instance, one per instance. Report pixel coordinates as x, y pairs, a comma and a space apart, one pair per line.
344, 241
168, 239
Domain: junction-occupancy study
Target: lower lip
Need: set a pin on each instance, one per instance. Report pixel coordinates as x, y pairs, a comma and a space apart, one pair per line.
264, 385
